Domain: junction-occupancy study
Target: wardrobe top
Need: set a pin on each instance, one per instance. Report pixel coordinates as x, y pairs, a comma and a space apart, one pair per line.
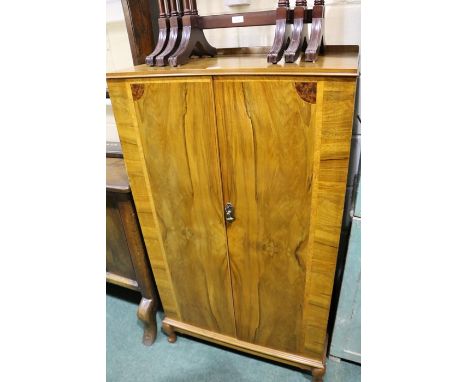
330, 64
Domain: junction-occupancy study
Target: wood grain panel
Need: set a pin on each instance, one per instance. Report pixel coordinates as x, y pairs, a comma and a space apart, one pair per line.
284, 161
124, 113
178, 138
335, 100
266, 135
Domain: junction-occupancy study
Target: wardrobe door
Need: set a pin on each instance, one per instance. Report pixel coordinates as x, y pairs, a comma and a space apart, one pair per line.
270, 132
178, 144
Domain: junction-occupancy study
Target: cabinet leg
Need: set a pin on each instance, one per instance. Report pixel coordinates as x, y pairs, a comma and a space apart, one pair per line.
318, 374
147, 314
170, 333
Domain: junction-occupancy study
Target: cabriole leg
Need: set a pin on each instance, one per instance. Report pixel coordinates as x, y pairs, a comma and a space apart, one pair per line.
147, 314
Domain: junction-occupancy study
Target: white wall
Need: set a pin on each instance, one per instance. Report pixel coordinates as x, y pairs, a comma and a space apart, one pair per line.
342, 27
119, 55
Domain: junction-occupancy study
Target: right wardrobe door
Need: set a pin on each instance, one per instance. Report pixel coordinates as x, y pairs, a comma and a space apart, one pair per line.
284, 146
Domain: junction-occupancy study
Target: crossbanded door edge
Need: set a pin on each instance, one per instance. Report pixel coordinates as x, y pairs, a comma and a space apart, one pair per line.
125, 114
177, 132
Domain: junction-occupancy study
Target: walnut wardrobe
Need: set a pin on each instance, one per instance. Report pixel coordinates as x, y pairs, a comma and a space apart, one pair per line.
238, 170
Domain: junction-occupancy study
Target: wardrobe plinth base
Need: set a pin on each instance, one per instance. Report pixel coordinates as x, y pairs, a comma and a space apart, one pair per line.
257, 350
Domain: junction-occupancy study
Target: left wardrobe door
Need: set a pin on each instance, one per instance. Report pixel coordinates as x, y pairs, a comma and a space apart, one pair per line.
174, 130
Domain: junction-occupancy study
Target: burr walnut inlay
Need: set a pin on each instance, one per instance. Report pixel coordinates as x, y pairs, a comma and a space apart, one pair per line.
137, 91
307, 91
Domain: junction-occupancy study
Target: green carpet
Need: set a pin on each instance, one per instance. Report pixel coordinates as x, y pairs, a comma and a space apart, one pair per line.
189, 359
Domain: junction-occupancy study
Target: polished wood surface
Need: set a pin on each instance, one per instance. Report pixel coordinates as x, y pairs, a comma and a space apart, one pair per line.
277, 147
266, 145
275, 152
163, 26
147, 314
331, 64
282, 33
173, 40
124, 113
172, 326
258, 18
186, 190
335, 109
177, 117
299, 36
250, 19
316, 32
191, 40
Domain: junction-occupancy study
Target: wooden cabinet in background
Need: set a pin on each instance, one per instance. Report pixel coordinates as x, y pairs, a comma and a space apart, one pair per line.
238, 170
126, 260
